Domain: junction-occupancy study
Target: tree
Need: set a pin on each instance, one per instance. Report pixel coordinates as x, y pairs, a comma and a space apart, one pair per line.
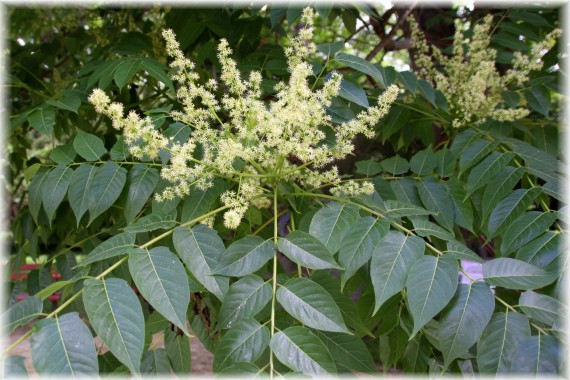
298, 189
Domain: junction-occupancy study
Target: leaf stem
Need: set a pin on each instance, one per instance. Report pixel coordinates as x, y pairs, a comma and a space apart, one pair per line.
274, 282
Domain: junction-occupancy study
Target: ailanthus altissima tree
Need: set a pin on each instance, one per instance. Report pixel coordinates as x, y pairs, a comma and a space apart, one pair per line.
297, 205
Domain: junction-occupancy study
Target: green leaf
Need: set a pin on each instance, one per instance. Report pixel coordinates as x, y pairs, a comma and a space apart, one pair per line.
431, 284
330, 49
538, 162
347, 307
156, 70
353, 92
43, 120
63, 154
35, 192
416, 354
142, 182
23, 312
516, 274
126, 71
306, 250
244, 342
525, 228
436, 198
542, 250
80, 190
52, 288
69, 102
541, 307
356, 249
423, 228
88, 146
245, 256
369, 167
499, 342
244, 299
200, 248
155, 362
348, 351
116, 316
63, 346
461, 252
331, 222
243, 370
199, 201
395, 165
409, 80
310, 303
391, 261
299, 349
464, 319
162, 281
360, 64
537, 355
106, 186
177, 349
510, 209
538, 98
163, 220
423, 162
511, 98
498, 188
481, 174
474, 152
14, 366
427, 91
120, 151
117, 245
397, 209
54, 188
463, 209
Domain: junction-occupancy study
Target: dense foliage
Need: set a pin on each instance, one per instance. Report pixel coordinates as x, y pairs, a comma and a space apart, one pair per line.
303, 191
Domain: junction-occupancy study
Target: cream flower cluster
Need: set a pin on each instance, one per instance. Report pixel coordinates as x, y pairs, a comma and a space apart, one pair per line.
469, 79
280, 140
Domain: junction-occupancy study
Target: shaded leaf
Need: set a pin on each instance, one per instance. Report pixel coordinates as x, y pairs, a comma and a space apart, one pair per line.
23, 312
481, 174
524, 229
35, 192
88, 146
116, 316
516, 274
464, 319
142, 182
162, 281
106, 186
436, 198
200, 248
498, 188
245, 256
42, 120
395, 165
117, 245
360, 64
331, 222
80, 189
356, 249
391, 261
537, 355
310, 303
306, 250
244, 342
348, 351
541, 307
177, 349
431, 284
63, 154
509, 209
500, 340
244, 299
63, 346
54, 188
302, 351
155, 362
423, 162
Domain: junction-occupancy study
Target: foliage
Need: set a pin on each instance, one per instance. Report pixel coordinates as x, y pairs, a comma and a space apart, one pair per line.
252, 215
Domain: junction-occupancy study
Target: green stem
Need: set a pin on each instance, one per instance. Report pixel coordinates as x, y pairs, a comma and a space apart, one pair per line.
274, 282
